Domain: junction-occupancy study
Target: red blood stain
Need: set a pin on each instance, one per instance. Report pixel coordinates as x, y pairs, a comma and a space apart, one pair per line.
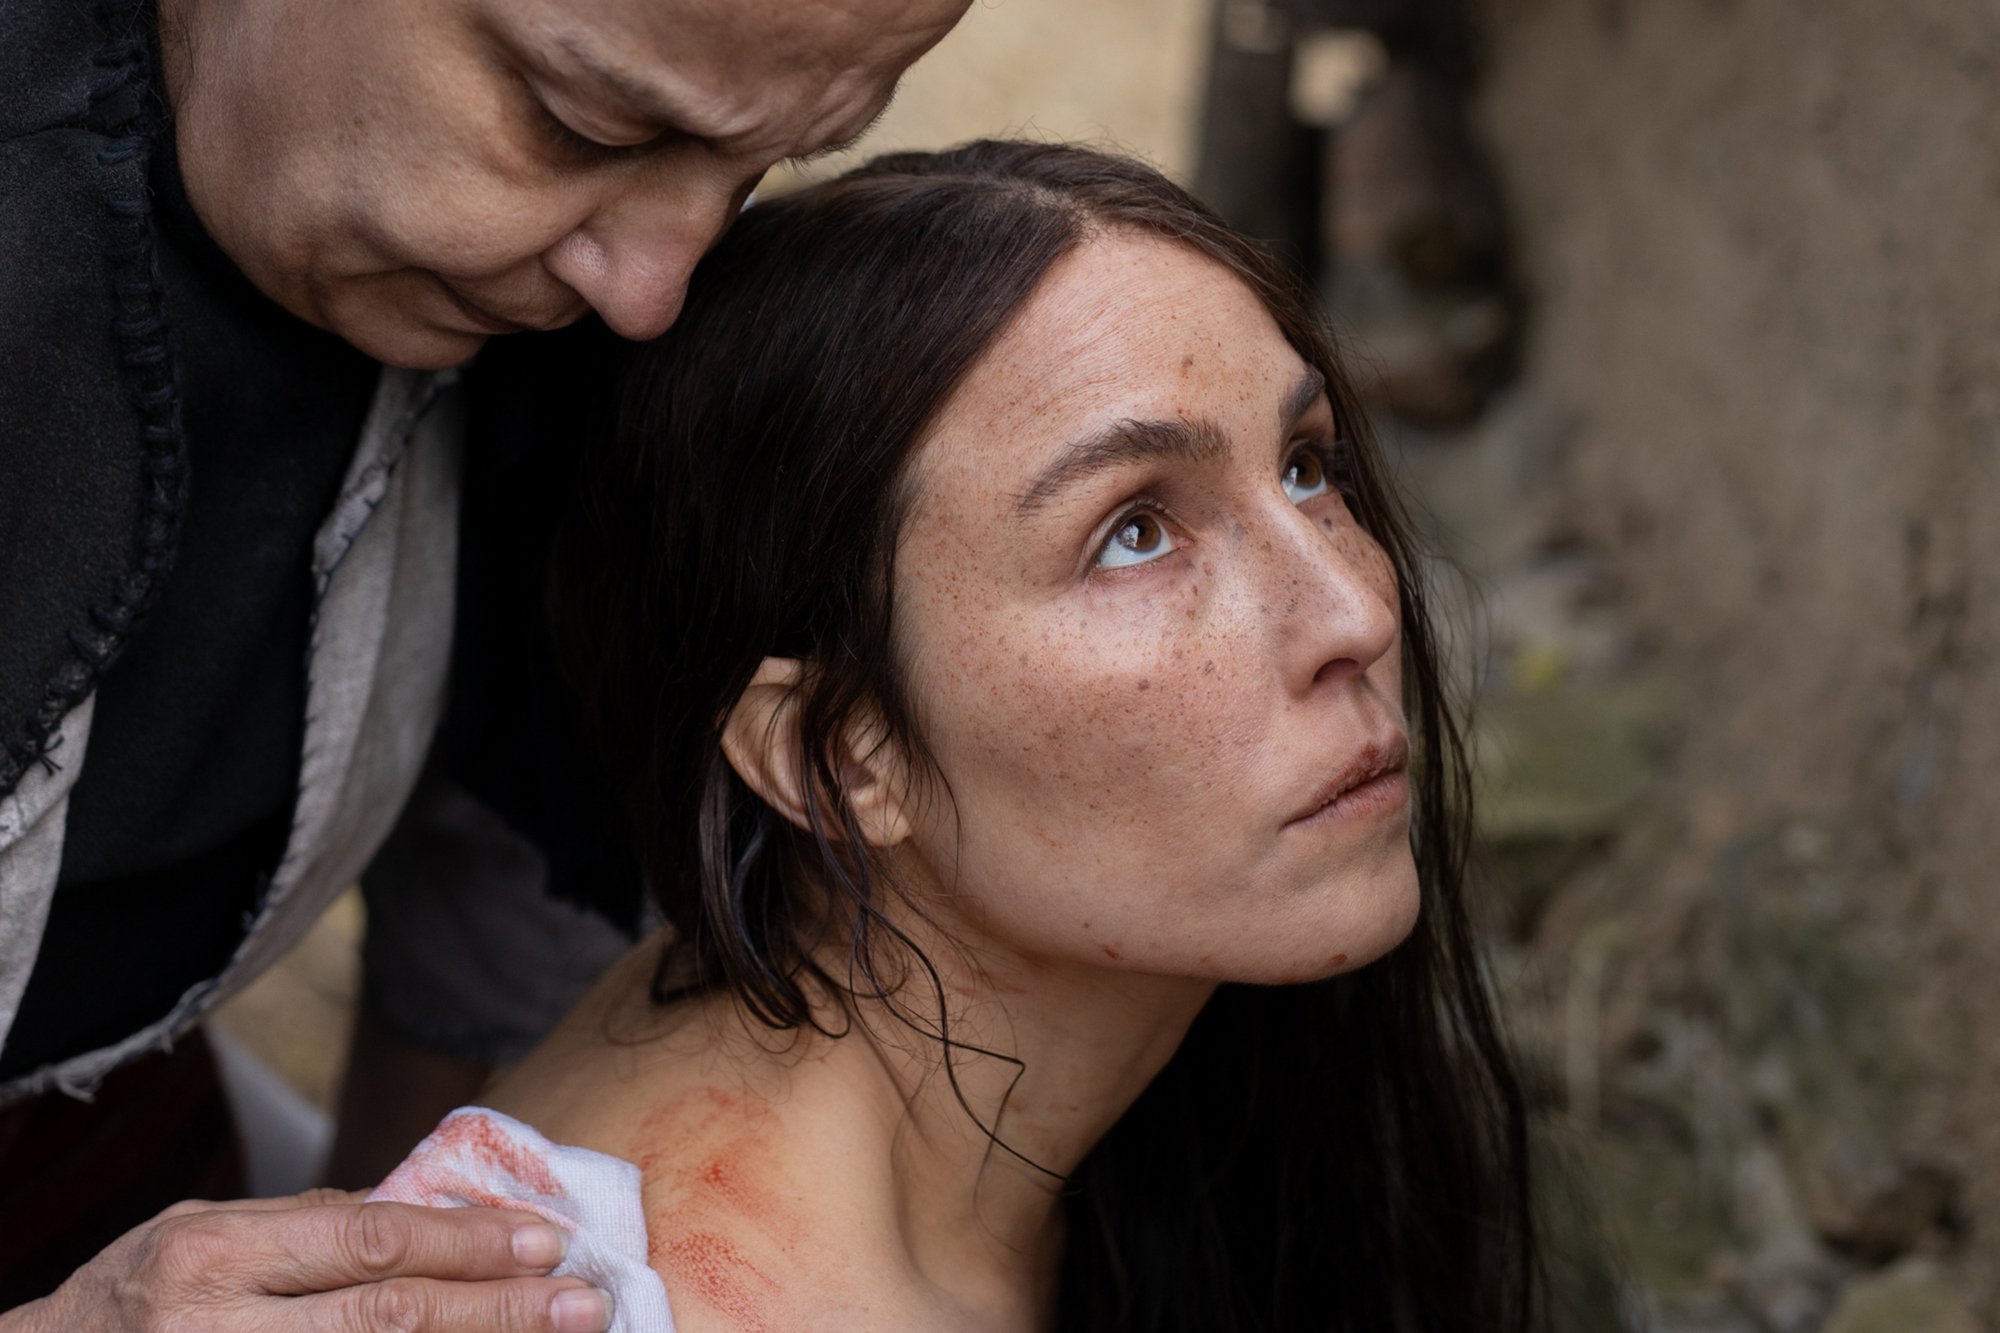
692, 1117
723, 1181
1110, 952
729, 1185
483, 1141
1339, 958
719, 1274
712, 1185
434, 1185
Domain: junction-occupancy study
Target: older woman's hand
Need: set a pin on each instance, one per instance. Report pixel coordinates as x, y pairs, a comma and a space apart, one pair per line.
327, 1262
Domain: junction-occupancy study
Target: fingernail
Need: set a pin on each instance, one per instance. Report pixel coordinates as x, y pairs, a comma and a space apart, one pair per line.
539, 1246
581, 1310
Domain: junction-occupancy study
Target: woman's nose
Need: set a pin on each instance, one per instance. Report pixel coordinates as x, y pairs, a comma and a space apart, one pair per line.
1335, 613
631, 258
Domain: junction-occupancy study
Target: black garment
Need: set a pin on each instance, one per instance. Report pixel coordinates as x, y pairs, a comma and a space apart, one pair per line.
91, 464
185, 799
132, 357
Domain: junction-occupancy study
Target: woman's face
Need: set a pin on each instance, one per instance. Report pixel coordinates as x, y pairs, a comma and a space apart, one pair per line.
1153, 654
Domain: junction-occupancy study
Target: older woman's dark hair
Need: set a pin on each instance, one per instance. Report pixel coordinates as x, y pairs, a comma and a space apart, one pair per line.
1349, 1154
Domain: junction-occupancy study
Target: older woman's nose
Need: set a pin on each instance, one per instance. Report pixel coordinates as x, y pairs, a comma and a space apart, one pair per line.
637, 290
632, 258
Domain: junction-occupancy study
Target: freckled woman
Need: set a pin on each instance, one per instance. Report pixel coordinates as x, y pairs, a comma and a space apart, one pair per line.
1015, 655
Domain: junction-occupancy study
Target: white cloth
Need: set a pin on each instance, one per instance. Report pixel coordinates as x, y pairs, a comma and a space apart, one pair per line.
481, 1158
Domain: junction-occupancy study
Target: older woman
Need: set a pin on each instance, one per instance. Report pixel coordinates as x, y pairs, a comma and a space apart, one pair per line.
236, 239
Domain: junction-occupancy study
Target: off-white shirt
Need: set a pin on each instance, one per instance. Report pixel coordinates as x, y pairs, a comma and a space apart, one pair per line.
384, 562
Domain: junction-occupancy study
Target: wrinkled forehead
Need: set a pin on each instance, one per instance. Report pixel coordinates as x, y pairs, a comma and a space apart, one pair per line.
781, 30
754, 76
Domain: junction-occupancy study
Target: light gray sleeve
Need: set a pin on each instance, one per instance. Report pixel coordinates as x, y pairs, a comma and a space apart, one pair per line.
33, 818
465, 951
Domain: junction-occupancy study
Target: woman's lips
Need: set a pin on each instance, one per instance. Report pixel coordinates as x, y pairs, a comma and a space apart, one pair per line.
1375, 781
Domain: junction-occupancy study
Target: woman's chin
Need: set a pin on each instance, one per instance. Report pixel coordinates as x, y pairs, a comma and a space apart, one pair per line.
1353, 937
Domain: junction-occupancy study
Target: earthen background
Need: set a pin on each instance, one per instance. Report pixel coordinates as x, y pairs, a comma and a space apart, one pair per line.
1762, 244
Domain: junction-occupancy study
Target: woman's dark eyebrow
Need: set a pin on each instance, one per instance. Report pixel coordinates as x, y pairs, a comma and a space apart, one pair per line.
1129, 441
1300, 400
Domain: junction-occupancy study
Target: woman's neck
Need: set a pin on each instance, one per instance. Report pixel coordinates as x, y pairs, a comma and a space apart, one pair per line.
858, 1163
1046, 1059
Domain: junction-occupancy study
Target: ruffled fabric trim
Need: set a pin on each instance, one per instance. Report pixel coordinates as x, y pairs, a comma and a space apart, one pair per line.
125, 113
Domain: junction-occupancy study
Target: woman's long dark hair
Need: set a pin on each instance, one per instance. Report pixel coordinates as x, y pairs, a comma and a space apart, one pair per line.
1345, 1155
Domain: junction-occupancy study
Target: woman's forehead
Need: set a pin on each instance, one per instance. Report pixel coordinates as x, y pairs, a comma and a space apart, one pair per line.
1124, 326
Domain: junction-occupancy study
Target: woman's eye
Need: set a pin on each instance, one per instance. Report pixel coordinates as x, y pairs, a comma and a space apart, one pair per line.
1138, 538
1306, 476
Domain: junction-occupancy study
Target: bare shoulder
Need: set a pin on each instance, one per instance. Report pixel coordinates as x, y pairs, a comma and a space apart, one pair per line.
599, 1058
764, 1210
752, 1222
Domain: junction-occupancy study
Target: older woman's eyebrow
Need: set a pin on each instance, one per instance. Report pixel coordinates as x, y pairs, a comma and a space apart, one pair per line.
659, 107
638, 96
1121, 444
849, 137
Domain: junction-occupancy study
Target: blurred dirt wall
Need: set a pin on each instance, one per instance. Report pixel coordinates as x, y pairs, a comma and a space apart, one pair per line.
1762, 240
1119, 73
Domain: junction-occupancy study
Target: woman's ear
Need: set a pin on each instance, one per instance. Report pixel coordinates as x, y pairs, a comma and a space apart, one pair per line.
876, 777
761, 741
761, 737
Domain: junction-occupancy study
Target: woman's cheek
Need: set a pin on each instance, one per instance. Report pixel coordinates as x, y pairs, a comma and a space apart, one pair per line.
1095, 698
1138, 736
